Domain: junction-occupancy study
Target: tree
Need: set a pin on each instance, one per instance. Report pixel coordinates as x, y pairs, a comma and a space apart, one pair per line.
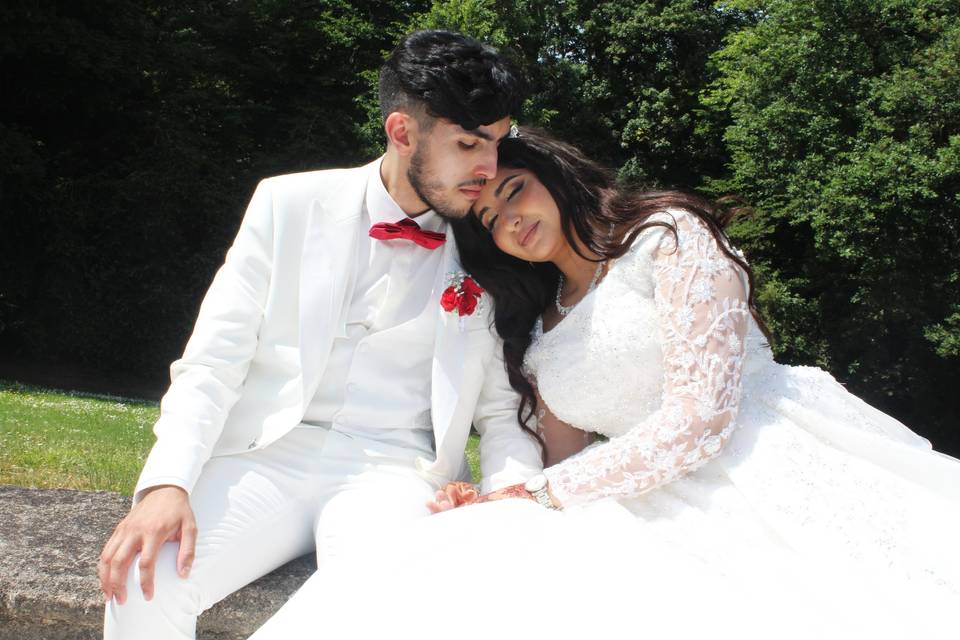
622, 80
844, 135
137, 132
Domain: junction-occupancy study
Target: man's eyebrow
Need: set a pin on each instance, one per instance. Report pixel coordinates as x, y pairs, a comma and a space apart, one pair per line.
502, 184
480, 134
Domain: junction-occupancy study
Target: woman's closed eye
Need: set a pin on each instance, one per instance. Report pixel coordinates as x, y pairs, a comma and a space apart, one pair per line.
492, 219
488, 218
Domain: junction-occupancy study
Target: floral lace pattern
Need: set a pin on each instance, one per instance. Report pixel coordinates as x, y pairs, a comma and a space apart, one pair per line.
699, 296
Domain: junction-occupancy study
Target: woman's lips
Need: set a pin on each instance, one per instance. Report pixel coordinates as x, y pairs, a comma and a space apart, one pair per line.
529, 234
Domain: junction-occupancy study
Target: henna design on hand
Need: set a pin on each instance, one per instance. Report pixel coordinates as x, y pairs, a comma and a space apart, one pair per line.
513, 491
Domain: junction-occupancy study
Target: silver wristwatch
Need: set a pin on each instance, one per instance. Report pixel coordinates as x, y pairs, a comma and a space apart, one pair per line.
537, 486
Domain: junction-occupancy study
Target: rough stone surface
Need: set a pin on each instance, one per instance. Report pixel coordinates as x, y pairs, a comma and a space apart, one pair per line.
49, 543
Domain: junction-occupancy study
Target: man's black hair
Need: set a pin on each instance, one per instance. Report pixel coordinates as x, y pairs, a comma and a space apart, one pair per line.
448, 75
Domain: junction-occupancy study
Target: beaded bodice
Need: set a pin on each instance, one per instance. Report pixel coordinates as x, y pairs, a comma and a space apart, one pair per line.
653, 359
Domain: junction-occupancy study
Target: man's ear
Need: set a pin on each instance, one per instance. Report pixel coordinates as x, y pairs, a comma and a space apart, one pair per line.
402, 129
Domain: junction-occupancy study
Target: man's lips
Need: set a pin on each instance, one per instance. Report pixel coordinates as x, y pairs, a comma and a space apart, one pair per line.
471, 192
529, 234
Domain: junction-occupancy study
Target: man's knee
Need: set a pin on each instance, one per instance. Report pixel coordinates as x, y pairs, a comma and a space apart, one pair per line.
173, 597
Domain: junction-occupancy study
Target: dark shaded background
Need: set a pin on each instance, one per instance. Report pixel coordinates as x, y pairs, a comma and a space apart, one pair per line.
132, 134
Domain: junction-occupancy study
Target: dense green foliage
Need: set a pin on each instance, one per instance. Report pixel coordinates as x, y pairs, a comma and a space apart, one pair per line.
131, 135
621, 79
845, 136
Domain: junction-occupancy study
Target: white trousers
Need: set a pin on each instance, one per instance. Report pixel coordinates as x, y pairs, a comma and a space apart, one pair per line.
312, 489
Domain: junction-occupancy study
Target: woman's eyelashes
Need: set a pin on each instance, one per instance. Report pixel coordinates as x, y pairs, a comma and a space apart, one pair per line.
492, 219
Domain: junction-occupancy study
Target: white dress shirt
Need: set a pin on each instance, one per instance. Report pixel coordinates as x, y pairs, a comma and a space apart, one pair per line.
390, 332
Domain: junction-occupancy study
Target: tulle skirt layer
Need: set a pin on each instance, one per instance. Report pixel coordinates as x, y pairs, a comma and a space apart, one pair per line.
822, 518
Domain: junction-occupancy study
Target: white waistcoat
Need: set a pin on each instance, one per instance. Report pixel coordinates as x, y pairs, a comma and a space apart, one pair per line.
377, 379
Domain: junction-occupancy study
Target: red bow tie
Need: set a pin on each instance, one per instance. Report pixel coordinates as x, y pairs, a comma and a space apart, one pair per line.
407, 229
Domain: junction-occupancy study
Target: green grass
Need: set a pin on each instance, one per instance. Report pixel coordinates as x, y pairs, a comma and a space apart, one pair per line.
63, 439
72, 440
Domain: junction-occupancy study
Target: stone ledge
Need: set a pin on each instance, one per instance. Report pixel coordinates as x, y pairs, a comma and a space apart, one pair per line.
49, 543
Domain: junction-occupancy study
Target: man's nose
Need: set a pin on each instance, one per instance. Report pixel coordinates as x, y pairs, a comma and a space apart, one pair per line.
487, 166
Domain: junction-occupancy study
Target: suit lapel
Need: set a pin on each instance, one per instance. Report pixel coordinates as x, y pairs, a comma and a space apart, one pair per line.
327, 272
326, 277
449, 349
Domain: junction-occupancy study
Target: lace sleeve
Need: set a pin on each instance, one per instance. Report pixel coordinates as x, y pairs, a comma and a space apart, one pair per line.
703, 315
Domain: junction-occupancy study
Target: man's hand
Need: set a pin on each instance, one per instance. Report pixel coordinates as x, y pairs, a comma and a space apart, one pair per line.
459, 494
163, 515
455, 494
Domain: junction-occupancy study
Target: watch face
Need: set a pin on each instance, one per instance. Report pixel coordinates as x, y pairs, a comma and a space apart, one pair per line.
536, 483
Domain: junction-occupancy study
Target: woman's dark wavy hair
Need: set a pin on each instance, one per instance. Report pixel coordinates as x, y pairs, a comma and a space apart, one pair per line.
448, 75
597, 216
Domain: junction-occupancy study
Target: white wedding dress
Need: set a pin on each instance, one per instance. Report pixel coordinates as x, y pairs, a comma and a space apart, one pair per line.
735, 497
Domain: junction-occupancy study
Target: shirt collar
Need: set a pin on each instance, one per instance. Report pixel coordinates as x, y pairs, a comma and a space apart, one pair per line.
381, 207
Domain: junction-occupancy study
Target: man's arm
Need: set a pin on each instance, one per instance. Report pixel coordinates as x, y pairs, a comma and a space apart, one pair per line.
508, 454
205, 384
206, 380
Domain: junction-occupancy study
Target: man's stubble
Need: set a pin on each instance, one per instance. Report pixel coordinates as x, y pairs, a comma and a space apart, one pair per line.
429, 189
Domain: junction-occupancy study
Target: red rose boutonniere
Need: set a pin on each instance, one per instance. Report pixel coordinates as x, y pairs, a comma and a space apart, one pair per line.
462, 295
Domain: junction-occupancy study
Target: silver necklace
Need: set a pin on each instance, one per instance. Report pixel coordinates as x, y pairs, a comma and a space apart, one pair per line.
593, 283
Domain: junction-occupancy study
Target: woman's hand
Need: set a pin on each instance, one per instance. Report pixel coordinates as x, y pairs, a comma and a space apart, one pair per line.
513, 491
455, 494
461, 494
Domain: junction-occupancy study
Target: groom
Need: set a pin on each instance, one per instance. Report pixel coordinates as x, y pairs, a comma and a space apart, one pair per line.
325, 394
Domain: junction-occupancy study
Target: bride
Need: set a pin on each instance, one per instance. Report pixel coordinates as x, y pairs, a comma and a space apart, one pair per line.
692, 484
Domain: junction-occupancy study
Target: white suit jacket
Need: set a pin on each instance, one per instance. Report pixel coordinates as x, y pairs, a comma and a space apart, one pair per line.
266, 327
